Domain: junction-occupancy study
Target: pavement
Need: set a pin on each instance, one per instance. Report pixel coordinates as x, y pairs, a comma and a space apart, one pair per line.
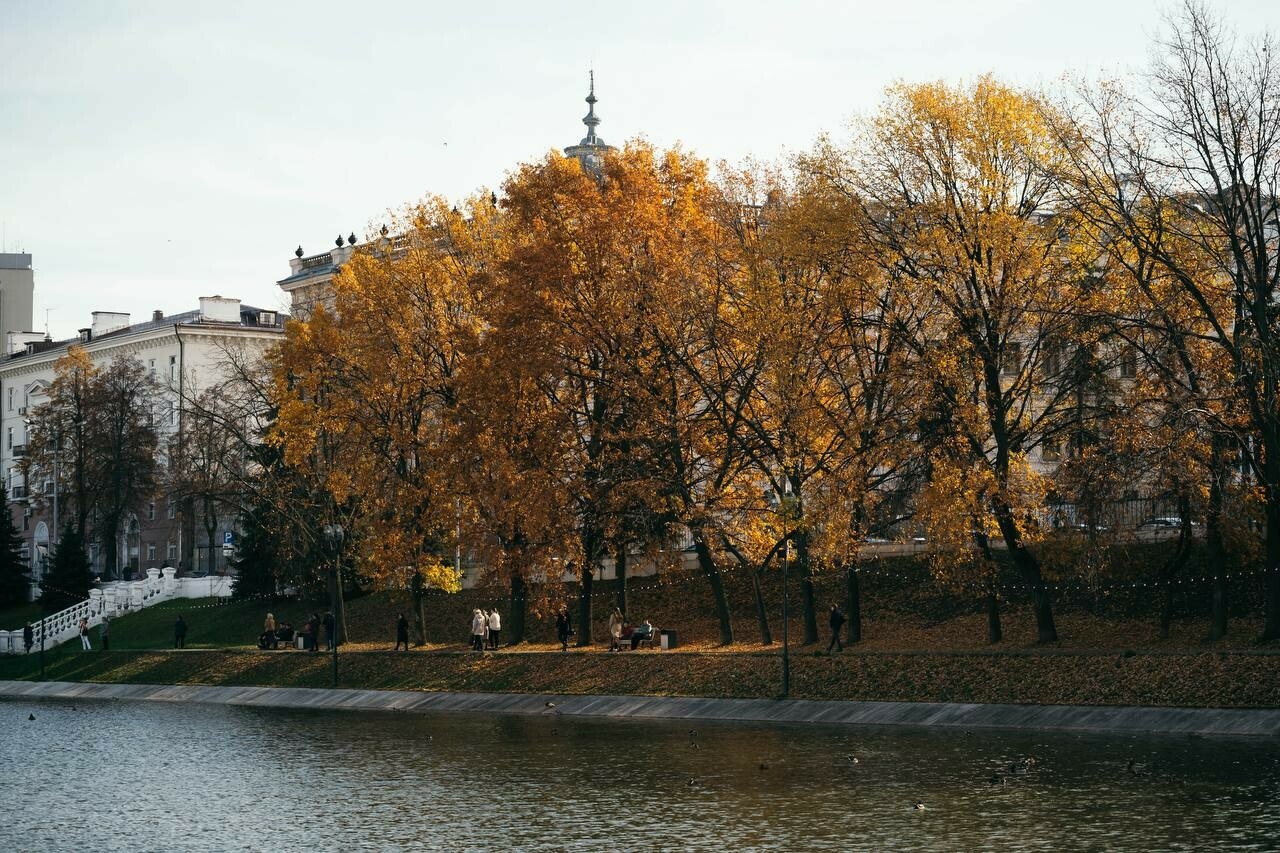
1079, 718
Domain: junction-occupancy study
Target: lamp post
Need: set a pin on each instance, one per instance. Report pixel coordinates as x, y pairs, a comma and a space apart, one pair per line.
333, 536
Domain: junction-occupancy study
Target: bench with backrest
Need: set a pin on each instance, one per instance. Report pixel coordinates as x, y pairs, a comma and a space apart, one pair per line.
633, 637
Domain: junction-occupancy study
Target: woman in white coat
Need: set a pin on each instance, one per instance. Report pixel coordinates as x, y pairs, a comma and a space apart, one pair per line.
479, 627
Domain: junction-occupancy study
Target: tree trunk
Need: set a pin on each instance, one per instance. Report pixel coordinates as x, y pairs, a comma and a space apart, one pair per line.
1215, 551
592, 550
854, 604
1029, 568
806, 589
994, 631
620, 570
707, 563
1216, 554
1271, 571
587, 581
762, 612
420, 617
1173, 566
516, 619
338, 598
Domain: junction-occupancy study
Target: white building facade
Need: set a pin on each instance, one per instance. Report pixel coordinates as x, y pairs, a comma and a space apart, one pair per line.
184, 354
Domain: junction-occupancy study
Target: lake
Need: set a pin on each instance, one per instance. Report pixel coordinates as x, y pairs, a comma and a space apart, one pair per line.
87, 776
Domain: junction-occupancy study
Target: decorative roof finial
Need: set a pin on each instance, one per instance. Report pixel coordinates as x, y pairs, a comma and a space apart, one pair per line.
591, 120
590, 150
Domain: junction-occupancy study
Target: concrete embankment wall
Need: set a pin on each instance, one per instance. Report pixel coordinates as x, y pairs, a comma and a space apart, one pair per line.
1203, 721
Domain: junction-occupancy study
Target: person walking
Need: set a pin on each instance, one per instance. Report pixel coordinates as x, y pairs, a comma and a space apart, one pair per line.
615, 629
104, 633
180, 632
479, 627
313, 632
402, 632
564, 627
330, 631
495, 628
28, 637
837, 621
269, 632
84, 635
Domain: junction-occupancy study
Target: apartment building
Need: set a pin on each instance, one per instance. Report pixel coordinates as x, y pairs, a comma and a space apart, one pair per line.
183, 353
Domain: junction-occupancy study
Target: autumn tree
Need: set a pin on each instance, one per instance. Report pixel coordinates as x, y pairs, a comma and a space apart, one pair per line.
956, 194
100, 424
588, 250
1183, 172
56, 438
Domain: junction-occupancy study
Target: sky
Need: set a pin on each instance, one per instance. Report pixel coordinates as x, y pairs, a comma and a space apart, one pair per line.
155, 152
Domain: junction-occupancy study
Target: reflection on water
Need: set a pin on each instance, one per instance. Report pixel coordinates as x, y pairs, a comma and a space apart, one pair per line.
145, 776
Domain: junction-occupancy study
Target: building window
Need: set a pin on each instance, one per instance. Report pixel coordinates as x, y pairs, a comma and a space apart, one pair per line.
1011, 364
151, 551
171, 551
151, 367
1051, 451
1128, 363
11, 399
151, 511
173, 413
173, 509
8, 438
173, 367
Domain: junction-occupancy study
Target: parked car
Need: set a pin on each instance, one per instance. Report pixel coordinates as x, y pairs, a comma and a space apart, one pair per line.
1164, 522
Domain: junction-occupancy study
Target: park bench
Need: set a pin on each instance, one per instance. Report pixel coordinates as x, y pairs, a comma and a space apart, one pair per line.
628, 634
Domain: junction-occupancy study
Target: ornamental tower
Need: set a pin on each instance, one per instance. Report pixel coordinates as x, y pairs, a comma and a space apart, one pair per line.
591, 149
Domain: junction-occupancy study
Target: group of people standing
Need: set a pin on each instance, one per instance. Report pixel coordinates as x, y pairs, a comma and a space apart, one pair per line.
486, 625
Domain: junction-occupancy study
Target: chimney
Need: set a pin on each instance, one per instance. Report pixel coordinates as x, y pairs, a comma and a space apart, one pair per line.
108, 321
217, 309
157, 315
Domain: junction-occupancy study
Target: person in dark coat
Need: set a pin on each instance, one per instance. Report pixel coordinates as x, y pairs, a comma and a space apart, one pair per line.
564, 627
28, 637
313, 632
330, 637
180, 633
837, 622
402, 632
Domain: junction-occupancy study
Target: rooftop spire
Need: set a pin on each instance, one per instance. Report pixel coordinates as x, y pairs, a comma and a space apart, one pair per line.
591, 147
591, 120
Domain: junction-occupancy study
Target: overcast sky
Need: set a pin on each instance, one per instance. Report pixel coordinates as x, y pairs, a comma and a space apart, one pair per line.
155, 152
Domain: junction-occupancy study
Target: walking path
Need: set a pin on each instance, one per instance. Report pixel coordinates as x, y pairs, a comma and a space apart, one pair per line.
1204, 721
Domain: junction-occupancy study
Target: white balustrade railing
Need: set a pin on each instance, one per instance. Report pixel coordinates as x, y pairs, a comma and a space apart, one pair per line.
111, 600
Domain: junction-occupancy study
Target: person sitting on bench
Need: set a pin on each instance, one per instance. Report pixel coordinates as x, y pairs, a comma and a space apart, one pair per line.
285, 633
642, 634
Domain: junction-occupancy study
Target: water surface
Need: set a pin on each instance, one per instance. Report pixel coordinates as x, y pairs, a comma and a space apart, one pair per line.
118, 775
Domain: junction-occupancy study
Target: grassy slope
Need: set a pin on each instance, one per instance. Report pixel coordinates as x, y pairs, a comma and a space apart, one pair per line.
920, 644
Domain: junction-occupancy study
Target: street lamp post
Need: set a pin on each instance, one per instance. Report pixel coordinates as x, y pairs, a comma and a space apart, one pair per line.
333, 536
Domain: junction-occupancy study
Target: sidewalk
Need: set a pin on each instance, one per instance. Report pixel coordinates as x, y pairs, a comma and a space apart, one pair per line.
1200, 721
